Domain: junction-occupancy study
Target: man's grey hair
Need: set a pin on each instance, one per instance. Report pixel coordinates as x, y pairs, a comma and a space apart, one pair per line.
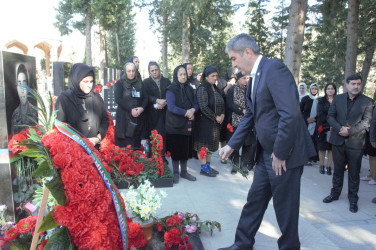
242, 41
130, 63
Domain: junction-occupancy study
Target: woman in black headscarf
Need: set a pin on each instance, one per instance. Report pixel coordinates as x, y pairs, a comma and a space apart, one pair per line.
80, 107
181, 108
210, 118
132, 101
190, 78
136, 62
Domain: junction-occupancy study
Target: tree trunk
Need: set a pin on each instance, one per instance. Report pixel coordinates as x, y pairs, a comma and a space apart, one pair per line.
295, 36
352, 38
367, 63
185, 44
165, 54
88, 36
102, 48
117, 49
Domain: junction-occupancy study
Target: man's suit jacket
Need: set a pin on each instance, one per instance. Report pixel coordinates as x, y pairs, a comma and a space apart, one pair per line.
358, 119
274, 112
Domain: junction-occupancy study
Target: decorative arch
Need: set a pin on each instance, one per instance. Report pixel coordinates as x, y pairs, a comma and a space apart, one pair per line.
17, 44
46, 48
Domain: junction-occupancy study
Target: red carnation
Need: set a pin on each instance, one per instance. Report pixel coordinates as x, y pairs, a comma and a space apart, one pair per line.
11, 234
168, 154
172, 237
188, 246
230, 128
320, 129
24, 225
108, 84
113, 82
98, 88
173, 221
159, 227
203, 153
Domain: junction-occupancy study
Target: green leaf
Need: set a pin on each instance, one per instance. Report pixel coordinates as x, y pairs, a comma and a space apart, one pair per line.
56, 188
32, 152
48, 223
60, 239
43, 170
16, 158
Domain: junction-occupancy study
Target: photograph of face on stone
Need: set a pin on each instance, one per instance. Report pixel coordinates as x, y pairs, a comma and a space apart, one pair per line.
18, 70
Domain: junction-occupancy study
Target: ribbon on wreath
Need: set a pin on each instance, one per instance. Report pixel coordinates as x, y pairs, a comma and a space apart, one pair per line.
71, 133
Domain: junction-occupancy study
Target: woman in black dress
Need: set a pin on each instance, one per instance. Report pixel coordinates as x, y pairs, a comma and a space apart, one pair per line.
308, 107
181, 108
210, 118
323, 128
80, 107
131, 100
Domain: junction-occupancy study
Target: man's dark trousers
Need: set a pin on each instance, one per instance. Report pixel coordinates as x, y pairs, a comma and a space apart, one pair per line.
343, 155
285, 191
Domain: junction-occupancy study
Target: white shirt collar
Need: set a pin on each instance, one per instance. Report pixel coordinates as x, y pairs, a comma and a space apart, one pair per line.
255, 66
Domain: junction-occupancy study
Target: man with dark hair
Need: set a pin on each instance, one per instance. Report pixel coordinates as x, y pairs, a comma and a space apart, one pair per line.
349, 116
155, 87
284, 144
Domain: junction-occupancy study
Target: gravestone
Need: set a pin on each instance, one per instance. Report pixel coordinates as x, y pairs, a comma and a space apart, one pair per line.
14, 108
110, 75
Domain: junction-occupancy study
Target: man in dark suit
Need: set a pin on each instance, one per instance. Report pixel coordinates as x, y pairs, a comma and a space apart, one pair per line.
349, 116
284, 144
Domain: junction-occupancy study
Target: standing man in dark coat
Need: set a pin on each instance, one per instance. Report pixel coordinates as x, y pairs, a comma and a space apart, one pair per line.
349, 116
284, 144
155, 87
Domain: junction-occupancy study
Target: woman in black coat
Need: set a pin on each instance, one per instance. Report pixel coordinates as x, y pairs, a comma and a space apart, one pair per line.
132, 101
80, 107
210, 118
323, 128
181, 108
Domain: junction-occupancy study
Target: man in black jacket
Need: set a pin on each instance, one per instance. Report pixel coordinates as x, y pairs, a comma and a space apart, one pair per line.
155, 87
349, 116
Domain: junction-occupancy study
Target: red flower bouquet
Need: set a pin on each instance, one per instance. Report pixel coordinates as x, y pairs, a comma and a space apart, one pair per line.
203, 153
230, 128
98, 88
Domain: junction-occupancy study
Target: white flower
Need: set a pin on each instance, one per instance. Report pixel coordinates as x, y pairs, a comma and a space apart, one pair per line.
3, 208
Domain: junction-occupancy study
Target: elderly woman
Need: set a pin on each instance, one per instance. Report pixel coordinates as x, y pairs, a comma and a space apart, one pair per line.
132, 101
210, 118
80, 107
308, 107
25, 109
181, 108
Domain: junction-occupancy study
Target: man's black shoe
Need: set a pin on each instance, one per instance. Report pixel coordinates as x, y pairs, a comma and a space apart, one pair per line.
329, 199
353, 207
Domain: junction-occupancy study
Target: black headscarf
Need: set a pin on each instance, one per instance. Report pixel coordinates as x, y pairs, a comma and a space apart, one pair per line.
175, 75
132, 58
230, 71
135, 82
190, 77
78, 72
209, 70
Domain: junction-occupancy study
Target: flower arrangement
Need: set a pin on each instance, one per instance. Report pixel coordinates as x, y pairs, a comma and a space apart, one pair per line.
143, 201
176, 228
98, 88
19, 236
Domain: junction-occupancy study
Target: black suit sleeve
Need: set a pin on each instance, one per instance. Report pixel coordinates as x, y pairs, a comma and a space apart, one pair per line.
363, 124
282, 88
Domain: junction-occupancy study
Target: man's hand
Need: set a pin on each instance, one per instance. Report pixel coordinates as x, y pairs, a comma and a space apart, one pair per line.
94, 140
225, 152
311, 120
278, 165
344, 131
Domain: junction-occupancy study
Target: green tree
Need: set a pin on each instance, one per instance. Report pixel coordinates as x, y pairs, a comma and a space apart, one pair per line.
278, 30
256, 27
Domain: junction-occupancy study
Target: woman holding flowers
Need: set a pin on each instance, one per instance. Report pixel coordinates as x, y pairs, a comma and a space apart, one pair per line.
210, 118
80, 107
181, 108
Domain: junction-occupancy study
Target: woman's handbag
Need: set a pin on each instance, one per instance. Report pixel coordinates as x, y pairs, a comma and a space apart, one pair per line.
131, 128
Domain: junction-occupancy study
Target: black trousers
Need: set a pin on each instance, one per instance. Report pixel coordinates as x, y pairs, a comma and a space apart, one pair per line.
343, 155
285, 191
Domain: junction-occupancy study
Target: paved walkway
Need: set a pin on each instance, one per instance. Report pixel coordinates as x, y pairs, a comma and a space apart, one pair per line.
321, 226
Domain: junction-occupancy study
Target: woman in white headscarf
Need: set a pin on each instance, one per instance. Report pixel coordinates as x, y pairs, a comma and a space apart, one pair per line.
302, 89
308, 107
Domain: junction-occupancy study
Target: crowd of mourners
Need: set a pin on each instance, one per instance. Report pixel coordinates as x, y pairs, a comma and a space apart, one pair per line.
195, 111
